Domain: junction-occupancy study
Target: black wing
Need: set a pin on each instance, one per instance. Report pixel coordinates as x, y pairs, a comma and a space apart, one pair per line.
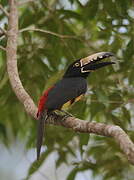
65, 90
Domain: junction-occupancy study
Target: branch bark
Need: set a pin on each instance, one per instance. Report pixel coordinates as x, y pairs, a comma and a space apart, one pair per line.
102, 129
12, 36
69, 122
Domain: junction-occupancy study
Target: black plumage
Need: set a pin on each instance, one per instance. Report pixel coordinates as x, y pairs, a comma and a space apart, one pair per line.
65, 90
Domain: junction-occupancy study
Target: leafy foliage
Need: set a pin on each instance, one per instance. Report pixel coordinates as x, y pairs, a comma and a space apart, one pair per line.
96, 25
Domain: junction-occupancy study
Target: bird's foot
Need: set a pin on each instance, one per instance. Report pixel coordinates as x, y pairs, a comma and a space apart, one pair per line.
63, 113
66, 113
65, 117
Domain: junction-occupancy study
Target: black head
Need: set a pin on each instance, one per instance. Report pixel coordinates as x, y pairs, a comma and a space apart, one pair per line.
82, 67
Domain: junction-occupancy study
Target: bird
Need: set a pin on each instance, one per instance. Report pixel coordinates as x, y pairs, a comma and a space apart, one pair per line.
68, 90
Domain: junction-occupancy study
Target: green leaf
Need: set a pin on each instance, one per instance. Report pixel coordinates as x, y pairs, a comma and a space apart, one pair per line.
116, 100
126, 115
72, 174
36, 164
102, 97
83, 140
122, 6
69, 14
128, 53
110, 8
95, 108
3, 131
90, 9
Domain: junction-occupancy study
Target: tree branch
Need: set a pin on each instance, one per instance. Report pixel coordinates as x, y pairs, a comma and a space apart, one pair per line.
102, 129
12, 35
4, 11
49, 32
69, 122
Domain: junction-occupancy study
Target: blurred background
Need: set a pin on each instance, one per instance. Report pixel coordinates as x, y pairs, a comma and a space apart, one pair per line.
91, 26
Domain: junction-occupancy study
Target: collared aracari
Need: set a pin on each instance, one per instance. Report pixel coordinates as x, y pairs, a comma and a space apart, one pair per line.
68, 90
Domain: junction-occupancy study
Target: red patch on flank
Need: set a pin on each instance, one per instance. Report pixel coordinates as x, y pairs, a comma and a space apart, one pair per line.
42, 101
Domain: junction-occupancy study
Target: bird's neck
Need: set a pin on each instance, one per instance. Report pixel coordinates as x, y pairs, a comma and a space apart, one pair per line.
85, 75
75, 72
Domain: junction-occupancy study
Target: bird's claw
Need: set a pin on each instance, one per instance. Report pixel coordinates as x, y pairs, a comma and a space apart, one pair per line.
67, 113
65, 117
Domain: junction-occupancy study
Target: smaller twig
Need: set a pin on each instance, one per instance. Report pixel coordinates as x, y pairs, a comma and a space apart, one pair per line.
110, 102
3, 31
2, 48
2, 34
4, 11
24, 2
2, 37
50, 32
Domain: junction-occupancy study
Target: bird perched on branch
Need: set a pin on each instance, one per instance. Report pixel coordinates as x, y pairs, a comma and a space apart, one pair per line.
68, 90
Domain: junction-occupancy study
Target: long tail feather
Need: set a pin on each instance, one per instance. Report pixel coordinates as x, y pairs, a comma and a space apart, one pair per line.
40, 132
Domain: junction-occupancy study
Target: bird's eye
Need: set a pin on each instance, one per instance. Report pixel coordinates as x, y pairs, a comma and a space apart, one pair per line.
77, 64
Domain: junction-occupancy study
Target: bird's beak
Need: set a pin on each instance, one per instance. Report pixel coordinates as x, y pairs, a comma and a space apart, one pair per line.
92, 62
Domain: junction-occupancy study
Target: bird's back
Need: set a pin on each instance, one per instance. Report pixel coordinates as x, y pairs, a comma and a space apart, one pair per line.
65, 90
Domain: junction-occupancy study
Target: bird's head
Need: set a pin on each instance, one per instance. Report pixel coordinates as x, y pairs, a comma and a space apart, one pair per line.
83, 66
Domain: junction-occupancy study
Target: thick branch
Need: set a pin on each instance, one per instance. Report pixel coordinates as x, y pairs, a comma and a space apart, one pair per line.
4, 11
70, 122
102, 129
12, 35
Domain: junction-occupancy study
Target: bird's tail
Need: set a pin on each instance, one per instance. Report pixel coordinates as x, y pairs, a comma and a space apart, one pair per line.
40, 131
